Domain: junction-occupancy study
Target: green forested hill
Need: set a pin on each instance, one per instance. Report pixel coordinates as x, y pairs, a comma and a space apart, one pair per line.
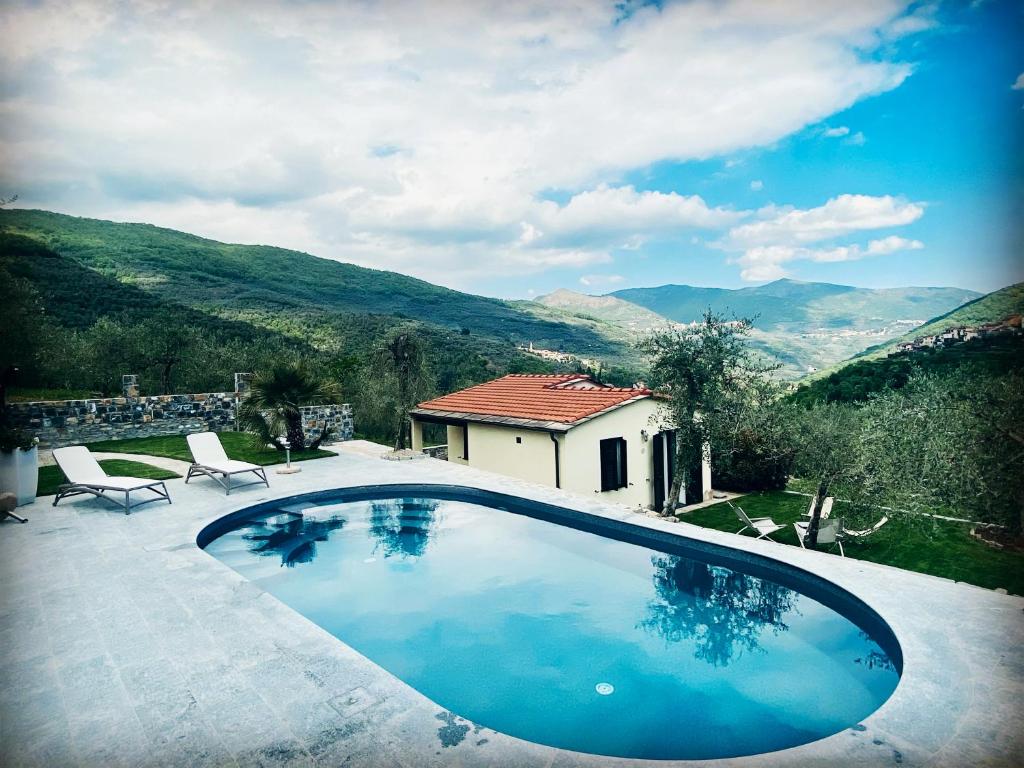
266, 285
84, 301
861, 379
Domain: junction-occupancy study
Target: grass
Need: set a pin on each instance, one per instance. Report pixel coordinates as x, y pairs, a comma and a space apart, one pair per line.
237, 445
938, 548
50, 478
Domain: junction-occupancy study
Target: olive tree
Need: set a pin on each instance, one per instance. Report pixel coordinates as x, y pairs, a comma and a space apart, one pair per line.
953, 443
705, 371
828, 451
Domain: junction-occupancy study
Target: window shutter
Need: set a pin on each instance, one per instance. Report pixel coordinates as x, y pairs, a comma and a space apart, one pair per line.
622, 482
607, 464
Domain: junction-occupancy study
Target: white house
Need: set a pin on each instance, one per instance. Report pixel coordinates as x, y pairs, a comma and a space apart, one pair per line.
566, 431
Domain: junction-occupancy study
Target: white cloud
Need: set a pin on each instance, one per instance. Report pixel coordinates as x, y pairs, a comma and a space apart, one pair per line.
832, 133
784, 235
858, 139
892, 244
415, 136
596, 280
757, 185
619, 213
1018, 84
839, 216
920, 19
766, 262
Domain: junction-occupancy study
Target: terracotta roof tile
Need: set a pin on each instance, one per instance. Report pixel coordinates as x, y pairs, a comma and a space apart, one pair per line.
542, 397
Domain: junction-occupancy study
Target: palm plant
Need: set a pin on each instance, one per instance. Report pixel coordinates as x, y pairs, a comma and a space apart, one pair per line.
398, 377
273, 404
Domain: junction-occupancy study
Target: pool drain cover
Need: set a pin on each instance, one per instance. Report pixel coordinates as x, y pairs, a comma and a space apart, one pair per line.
605, 689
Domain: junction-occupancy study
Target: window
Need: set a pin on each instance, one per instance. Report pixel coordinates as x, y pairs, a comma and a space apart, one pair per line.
519, 440
613, 464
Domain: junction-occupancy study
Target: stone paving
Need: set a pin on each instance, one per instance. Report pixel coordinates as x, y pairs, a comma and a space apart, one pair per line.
122, 643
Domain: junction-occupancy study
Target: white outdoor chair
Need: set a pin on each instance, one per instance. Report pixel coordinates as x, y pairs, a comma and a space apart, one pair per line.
826, 507
861, 535
209, 458
829, 532
762, 525
85, 475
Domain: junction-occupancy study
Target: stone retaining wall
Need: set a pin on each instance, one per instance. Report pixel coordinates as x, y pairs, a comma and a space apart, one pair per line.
71, 422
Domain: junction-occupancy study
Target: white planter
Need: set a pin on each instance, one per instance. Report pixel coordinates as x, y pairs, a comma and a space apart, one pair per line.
28, 475
19, 473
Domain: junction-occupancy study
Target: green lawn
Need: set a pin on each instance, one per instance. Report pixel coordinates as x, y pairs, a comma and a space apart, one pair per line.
941, 549
50, 478
237, 445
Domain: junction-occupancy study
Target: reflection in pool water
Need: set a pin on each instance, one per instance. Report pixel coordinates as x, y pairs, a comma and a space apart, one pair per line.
518, 624
720, 611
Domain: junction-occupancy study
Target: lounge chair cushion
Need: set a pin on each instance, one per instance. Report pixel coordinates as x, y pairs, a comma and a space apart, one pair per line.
123, 483
230, 466
81, 468
208, 452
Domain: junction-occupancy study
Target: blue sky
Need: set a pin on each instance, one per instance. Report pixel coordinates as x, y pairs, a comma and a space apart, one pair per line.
951, 135
511, 150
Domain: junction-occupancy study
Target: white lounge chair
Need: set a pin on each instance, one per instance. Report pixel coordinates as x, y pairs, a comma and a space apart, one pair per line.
209, 458
861, 535
85, 475
829, 532
826, 507
764, 526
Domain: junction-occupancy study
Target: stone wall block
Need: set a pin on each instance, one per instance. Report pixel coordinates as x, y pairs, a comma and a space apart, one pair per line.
71, 422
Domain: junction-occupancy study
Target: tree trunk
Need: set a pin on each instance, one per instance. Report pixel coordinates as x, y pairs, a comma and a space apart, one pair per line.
165, 378
296, 437
400, 439
678, 479
811, 542
403, 405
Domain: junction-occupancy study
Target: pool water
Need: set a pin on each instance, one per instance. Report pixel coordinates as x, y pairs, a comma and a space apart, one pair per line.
564, 637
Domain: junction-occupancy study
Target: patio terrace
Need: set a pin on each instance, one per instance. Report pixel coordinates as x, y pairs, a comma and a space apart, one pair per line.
122, 643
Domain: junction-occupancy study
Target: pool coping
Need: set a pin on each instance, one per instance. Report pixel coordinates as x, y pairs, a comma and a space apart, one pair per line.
956, 702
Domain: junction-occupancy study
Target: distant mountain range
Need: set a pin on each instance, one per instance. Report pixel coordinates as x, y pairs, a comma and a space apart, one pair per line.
315, 300
805, 326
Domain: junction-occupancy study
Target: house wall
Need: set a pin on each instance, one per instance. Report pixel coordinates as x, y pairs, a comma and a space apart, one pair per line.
495, 449
581, 458
455, 445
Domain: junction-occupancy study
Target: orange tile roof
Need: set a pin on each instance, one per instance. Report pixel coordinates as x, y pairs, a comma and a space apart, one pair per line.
534, 396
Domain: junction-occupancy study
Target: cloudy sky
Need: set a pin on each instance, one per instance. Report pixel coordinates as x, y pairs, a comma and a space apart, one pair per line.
512, 148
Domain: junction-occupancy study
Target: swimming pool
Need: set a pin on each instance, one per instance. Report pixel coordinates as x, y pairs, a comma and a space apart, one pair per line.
566, 630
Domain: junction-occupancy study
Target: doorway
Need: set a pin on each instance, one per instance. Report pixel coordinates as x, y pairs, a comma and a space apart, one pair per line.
664, 466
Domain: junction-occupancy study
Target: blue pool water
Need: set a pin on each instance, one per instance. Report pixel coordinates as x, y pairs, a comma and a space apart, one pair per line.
565, 637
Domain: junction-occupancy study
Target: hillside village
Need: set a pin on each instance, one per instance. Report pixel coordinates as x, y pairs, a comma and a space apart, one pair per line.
1009, 326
